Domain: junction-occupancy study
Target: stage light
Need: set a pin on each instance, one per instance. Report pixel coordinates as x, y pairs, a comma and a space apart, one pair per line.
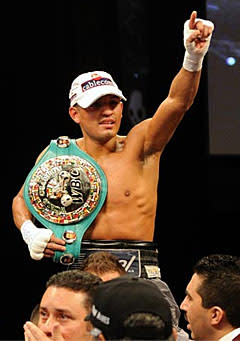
230, 61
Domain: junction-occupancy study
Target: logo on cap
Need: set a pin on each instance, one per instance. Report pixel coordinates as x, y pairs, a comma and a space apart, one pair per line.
100, 316
96, 81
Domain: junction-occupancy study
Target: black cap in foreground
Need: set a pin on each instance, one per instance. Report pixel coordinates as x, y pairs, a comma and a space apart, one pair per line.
115, 300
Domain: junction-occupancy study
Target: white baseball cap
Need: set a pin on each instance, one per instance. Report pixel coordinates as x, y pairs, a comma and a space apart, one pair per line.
90, 86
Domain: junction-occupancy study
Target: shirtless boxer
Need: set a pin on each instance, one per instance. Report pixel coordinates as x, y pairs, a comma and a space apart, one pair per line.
125, 222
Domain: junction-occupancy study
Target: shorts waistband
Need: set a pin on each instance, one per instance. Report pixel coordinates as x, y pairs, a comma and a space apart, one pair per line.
119, 244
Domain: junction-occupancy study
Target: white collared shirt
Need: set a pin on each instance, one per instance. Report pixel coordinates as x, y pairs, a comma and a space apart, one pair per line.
230, 336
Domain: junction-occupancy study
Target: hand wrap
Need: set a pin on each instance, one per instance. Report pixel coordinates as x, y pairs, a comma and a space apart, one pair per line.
35, 238
193, 57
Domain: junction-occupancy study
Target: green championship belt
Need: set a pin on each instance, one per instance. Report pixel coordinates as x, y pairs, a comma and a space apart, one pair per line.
65, 191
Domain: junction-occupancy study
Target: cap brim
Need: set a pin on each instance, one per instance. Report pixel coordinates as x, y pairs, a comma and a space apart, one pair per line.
95, 94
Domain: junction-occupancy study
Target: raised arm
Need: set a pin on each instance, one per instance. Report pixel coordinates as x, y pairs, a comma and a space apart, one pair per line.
184, 87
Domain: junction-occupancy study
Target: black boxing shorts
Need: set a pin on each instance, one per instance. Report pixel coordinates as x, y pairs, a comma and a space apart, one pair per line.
139, 258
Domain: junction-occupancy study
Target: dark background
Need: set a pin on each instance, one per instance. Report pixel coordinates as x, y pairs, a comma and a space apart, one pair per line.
224, 129
140, 43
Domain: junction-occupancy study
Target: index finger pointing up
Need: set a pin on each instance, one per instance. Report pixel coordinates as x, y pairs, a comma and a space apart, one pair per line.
192, 20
